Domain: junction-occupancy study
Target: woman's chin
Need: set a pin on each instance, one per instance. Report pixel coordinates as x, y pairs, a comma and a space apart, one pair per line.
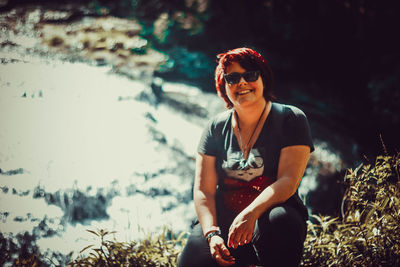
246, 100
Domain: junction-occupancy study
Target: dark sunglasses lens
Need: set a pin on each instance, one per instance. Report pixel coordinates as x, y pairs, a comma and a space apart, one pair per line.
250, 76
232, 78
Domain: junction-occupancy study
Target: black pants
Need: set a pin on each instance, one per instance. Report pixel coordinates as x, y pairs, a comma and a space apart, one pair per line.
277, 239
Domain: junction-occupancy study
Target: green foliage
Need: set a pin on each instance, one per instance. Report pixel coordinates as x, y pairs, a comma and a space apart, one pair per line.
153, 251
368, 234
22, 250
32, 261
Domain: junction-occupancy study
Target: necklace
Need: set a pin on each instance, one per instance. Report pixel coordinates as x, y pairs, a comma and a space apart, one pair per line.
244, 149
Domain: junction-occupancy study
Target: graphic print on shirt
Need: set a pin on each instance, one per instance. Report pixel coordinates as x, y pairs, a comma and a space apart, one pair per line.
237, 167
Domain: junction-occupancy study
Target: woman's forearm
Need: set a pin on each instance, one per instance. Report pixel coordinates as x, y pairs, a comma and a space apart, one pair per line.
276, 193
204, 190
292, 164
206, 210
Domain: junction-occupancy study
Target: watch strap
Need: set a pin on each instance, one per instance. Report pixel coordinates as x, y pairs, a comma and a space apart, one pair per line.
213, 233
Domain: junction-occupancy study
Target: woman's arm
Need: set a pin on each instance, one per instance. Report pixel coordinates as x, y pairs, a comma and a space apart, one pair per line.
205, 186
292, 164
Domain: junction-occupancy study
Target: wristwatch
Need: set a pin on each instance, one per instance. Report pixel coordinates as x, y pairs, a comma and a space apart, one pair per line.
213, 233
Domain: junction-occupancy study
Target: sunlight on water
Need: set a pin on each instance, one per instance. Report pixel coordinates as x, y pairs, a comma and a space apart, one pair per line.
323, 161
76, 126
71, 126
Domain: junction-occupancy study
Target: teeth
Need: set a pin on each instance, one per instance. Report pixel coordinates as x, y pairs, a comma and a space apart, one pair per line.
244, 92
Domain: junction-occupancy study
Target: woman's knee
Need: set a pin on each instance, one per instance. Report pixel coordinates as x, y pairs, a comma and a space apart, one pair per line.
282, 223
287, 220
279, 236
196, 252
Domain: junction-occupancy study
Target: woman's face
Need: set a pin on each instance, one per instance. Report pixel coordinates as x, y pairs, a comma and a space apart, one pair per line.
244, 92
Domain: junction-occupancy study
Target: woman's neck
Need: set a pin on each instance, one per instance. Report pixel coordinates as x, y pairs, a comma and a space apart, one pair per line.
249, 115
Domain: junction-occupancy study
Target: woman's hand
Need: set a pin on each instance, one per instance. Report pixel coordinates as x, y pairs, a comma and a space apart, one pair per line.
219, 252
241, 230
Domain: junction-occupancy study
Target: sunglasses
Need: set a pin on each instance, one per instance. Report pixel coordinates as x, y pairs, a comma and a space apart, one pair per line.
249, 76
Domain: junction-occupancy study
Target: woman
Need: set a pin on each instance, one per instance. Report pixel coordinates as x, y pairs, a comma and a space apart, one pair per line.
250, 161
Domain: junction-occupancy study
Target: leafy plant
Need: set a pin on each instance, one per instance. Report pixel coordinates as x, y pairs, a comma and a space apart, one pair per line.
153, 251
368, 232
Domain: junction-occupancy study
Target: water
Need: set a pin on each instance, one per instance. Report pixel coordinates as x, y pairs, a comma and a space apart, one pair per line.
74, 132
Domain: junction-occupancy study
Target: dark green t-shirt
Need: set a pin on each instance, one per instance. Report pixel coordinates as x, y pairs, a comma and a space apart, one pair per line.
285, 126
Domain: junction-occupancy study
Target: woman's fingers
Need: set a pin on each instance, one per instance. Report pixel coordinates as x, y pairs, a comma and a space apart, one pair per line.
223, 256
221, 261
234, 240
219, 252
224, 251
231, 237
246, 238
237, 238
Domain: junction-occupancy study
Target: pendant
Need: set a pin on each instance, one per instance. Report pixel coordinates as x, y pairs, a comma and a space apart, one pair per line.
243, 163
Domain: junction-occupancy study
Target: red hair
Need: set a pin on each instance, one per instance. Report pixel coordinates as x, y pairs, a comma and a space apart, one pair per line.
249, 60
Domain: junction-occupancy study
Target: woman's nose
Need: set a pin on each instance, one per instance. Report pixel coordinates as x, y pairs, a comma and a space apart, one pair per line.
242, 80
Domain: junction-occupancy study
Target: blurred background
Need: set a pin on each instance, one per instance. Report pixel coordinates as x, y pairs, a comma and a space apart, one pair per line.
103, 103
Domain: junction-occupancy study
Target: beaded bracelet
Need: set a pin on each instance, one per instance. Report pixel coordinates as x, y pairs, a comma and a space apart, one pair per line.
213, 233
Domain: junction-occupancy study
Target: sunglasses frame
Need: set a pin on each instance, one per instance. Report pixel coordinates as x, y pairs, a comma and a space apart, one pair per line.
244, 74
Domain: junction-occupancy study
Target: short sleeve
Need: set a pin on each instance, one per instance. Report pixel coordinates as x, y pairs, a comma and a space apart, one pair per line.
207, 144
296, 130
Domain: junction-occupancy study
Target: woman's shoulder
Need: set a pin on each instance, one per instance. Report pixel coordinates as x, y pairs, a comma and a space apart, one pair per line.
221, 118
219, 124
294, 128
288, 110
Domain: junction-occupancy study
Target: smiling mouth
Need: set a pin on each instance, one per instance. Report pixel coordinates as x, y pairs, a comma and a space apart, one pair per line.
244, 92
